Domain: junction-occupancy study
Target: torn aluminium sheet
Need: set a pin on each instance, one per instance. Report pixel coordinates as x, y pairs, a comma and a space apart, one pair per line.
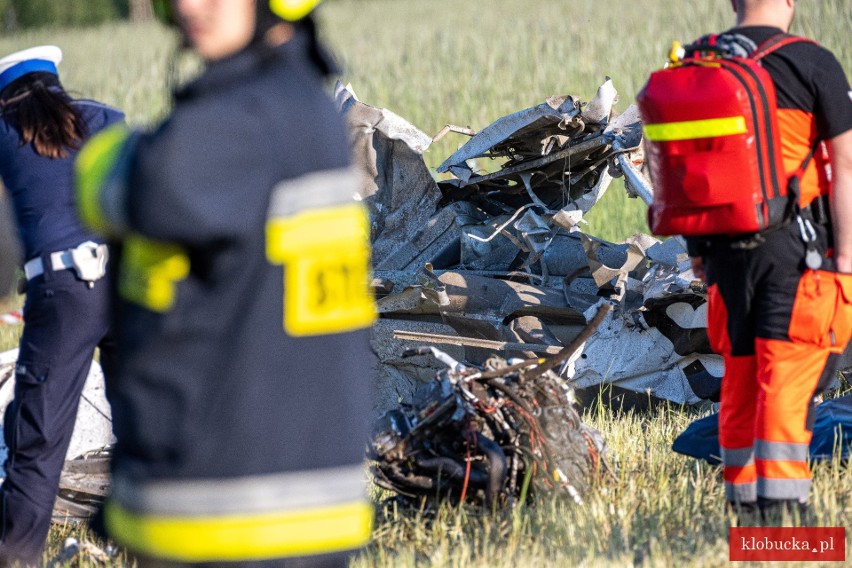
487, 262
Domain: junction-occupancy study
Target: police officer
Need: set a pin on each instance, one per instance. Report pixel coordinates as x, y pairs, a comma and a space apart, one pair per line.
781, 318
243, 397
66, 314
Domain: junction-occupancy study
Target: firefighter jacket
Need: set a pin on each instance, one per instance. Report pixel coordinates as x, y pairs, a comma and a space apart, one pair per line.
242, 403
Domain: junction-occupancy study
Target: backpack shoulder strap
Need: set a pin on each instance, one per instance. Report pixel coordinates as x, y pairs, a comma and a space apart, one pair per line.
704, 44
728, 44
775, 43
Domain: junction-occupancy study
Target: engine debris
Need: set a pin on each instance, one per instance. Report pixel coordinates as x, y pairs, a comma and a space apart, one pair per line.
498, 434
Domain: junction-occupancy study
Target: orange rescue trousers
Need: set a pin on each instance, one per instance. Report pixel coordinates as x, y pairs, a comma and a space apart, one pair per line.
781, 328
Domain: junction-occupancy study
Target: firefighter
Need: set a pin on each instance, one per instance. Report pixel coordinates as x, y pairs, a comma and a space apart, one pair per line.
243, 394
67, 309
780, 303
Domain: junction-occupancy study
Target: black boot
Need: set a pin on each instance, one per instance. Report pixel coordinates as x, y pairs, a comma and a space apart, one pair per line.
773, 511
745, 513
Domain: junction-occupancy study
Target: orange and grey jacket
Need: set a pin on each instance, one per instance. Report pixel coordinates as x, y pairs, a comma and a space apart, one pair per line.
814, 105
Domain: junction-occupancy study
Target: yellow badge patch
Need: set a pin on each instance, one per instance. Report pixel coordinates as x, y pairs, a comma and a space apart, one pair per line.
326, 258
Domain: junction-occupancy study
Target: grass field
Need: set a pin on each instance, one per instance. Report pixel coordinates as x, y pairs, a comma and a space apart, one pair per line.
468, 63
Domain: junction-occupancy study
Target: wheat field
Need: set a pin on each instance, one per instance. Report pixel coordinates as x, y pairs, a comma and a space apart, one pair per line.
468, 63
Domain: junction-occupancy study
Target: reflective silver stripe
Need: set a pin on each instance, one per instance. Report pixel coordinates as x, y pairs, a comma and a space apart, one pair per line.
316, 190
247, 495
741, 492
783, 488
737, 457
780, 451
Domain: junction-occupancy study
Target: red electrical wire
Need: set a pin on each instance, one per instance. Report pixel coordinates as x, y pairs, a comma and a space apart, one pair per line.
592, 450
466, 477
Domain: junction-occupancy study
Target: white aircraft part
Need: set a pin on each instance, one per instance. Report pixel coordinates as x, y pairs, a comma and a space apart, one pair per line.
93, 429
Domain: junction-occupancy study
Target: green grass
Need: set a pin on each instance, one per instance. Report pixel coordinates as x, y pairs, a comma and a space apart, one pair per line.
659, 509
440, 61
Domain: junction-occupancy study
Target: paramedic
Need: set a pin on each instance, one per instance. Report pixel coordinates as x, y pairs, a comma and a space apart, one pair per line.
243, 393
67, 309
779, 319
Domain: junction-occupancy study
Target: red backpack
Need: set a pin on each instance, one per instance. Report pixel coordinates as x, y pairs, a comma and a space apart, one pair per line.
713, 145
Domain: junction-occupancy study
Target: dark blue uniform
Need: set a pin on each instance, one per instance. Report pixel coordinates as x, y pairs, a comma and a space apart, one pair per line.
64, 320
243, 397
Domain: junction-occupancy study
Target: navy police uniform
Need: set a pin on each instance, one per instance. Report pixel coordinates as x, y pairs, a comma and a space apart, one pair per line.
243, 396
64, 320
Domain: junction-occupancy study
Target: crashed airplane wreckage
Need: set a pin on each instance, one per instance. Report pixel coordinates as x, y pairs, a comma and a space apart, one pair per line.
485, 263
494, 263
499, 433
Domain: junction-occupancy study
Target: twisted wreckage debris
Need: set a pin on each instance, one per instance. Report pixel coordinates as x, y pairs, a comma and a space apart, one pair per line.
503, 431
495, 262
487, 263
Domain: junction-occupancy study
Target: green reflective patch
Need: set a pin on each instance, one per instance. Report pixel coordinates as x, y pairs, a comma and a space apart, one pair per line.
150, 272
94, 163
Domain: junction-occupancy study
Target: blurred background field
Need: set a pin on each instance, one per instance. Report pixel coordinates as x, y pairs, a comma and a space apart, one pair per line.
468, 63
444, 61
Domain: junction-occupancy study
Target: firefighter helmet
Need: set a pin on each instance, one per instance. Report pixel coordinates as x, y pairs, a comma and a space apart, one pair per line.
288, 10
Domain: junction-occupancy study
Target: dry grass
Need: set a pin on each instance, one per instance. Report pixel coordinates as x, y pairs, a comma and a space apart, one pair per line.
660, 509
469, 63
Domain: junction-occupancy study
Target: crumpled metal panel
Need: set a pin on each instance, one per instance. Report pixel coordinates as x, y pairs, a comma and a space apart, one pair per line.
500, 264
437, 241
638, 358
395, 183
555, 113
557, 153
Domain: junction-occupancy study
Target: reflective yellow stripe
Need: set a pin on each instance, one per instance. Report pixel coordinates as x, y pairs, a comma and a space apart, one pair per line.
693, 129
326, 255
92, 167
248, 537
292, 10
150, 271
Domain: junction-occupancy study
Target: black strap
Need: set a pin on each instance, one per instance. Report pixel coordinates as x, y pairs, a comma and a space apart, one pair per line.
775, 43
793, 186
819, 210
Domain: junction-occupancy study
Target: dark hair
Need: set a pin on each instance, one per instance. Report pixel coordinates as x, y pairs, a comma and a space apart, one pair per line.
42, 112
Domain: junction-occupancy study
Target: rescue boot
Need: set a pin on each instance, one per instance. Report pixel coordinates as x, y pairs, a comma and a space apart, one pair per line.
744, 513
773, 512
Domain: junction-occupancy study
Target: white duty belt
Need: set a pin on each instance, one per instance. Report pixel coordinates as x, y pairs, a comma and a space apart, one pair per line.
88, 260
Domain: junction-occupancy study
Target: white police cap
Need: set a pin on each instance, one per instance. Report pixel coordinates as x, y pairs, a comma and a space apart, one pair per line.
42, 58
